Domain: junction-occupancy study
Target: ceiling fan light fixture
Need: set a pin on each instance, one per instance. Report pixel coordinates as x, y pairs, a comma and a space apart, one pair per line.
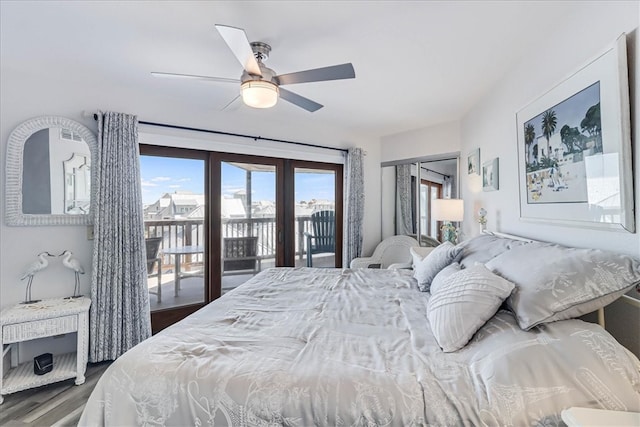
259, 94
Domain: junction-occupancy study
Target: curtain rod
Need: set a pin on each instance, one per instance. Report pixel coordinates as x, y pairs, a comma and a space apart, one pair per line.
439, 173
239, 135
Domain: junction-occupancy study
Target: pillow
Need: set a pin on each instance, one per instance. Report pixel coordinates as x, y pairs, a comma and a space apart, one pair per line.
418, 253
463, 303
437, 281
484, 247
438, 258
554, 282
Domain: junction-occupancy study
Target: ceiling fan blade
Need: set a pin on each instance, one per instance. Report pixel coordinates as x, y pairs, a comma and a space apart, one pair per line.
238, 42
191, 76
232, 105
299, 100
334, 72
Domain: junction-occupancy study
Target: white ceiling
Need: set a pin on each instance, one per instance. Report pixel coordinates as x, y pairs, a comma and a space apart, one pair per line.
417, 63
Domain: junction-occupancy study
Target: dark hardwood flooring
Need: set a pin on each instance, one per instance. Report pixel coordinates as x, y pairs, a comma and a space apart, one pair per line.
58, 404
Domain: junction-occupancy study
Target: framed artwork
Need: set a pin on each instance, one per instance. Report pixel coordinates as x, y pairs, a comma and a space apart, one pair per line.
574, 148
473, 162
490, 175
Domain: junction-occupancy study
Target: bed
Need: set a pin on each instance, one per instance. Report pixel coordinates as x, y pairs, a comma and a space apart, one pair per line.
358, 347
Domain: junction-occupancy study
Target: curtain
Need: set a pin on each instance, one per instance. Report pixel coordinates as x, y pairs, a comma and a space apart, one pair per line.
120, 315
404, 206
446, 187
354, 205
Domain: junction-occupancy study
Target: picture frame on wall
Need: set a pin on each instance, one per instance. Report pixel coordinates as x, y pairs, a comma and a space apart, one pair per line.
473, 162
491, 175
574, 148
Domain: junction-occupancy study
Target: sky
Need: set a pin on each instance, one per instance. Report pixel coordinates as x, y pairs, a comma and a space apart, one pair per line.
167, 175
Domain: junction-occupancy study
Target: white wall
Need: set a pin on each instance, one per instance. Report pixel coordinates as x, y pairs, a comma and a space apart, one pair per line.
491, 124
439, 139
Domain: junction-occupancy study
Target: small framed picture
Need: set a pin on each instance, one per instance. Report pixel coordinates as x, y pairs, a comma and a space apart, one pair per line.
490, 175
473, 162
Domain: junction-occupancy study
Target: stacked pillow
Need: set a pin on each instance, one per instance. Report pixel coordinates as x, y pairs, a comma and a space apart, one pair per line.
485, 247
462, 303
562, 283
424, 270
541, 282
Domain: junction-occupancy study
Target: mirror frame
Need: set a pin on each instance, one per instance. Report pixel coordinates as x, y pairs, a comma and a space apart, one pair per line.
14, 169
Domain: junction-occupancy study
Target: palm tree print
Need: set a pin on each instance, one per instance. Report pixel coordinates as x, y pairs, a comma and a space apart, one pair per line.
529, 137
549, 123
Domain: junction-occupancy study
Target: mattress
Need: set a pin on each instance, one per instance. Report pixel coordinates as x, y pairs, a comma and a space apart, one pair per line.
342, 347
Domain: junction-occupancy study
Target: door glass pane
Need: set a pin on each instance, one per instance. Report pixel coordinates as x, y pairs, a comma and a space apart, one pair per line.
174, 207
435, 194
315, 225
424, 209
248, 221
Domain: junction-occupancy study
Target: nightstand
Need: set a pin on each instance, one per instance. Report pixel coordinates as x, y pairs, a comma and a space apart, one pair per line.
599, 417
42, 319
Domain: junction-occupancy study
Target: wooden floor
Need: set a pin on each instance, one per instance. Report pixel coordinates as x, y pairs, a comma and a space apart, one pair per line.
58, 404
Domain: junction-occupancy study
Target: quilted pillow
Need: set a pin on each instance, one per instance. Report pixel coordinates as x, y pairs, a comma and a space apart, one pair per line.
463, 303
554, 282
484, 247
438, 258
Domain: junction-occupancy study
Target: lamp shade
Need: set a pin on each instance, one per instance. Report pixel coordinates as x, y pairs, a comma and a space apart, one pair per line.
447, 209
259, 94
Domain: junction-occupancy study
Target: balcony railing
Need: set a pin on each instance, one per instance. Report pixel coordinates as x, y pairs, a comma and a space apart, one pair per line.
190, 232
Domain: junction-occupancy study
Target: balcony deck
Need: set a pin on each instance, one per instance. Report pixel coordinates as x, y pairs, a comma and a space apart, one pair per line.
192, 288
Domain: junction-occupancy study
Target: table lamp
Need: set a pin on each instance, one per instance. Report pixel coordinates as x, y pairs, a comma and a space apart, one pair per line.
448, 211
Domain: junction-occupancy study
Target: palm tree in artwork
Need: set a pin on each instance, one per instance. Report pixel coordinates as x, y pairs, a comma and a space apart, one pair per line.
529, 136
549, 122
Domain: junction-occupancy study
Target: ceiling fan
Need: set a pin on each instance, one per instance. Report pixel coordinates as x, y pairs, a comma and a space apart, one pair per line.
260, 86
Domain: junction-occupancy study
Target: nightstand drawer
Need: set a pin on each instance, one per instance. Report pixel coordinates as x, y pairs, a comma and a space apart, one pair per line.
40, 328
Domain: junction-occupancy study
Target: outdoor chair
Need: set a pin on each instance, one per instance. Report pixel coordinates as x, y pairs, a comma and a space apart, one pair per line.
322, 239
240, 255
154, 260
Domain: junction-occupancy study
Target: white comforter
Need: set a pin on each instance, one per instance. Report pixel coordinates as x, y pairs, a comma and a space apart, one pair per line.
302, 347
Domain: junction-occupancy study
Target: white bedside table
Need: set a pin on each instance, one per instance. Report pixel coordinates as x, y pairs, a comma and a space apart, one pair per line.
45, 318
599, 417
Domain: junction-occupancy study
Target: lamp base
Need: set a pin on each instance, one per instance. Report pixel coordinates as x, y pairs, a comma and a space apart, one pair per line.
449, 232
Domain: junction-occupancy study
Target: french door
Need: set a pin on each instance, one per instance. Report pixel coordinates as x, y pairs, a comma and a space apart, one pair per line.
176, 198
248, 219
221, 218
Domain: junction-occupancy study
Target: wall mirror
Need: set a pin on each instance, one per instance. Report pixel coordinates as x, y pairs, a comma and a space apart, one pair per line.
48, 173
409, 186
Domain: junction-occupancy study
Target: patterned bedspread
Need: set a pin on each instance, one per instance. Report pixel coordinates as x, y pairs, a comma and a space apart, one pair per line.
303, 347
